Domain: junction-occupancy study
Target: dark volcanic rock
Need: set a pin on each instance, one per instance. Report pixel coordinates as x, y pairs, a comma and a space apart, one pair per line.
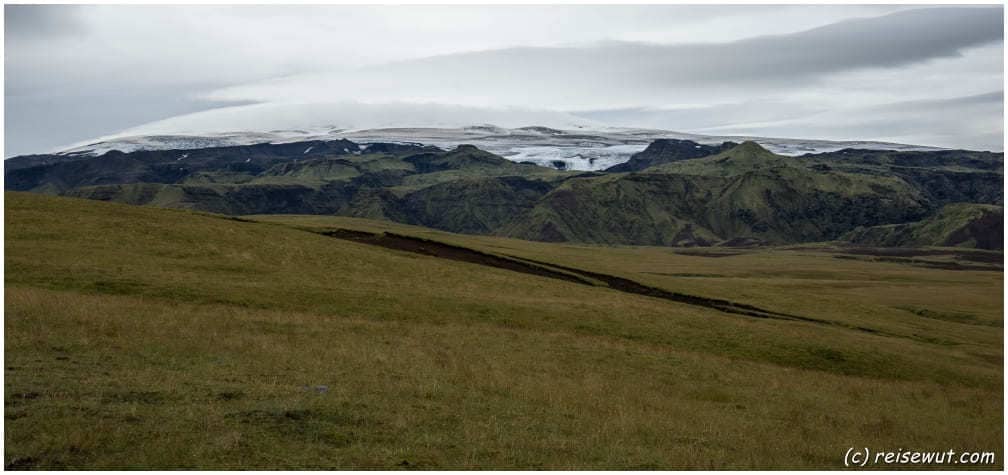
398, 148
666, 151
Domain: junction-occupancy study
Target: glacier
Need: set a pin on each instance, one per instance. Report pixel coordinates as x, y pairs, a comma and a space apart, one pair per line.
546, 138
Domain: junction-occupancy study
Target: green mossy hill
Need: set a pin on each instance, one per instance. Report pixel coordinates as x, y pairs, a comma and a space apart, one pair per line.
342, 199
944, 176
406, 183
955, 225
746, 157
681, 194
744, 193
474, 205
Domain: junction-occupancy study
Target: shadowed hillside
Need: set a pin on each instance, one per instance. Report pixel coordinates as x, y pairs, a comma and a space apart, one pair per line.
677, 192
668, 151
962, 225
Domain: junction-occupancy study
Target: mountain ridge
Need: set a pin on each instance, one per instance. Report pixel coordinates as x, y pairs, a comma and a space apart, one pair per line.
676, 195
581, 148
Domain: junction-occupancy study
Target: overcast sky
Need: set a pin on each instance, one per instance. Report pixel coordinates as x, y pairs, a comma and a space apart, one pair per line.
921, 75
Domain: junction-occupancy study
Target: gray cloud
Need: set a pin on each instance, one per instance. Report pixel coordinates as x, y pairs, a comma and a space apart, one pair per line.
885, 42
695, 118
41, 21
40, 123
613, 74
972, 121
73, 72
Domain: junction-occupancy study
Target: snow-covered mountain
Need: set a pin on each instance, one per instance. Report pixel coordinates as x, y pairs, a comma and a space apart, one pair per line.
546, 138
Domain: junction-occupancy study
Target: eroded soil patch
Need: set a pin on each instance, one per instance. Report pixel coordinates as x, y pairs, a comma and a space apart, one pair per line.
549, 269
452, 252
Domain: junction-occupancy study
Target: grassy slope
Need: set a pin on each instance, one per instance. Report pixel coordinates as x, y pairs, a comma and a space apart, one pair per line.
140, 337
960, 224
805, 280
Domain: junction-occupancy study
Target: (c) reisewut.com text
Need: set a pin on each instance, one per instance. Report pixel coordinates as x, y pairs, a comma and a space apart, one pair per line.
861, 457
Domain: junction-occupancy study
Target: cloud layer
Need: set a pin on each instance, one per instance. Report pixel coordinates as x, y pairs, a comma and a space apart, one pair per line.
835, 72
620, 73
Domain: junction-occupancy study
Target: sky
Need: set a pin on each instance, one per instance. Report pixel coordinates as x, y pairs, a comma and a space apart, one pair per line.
924, 75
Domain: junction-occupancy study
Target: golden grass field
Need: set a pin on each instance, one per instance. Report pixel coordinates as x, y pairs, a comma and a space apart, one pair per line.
150, 338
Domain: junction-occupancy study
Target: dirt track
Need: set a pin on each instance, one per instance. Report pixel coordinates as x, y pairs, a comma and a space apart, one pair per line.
448, 251
547, 269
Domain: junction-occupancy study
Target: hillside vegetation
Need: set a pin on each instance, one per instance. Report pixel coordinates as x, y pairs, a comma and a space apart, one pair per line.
138, 337
960, 225
744, 194
674, 193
